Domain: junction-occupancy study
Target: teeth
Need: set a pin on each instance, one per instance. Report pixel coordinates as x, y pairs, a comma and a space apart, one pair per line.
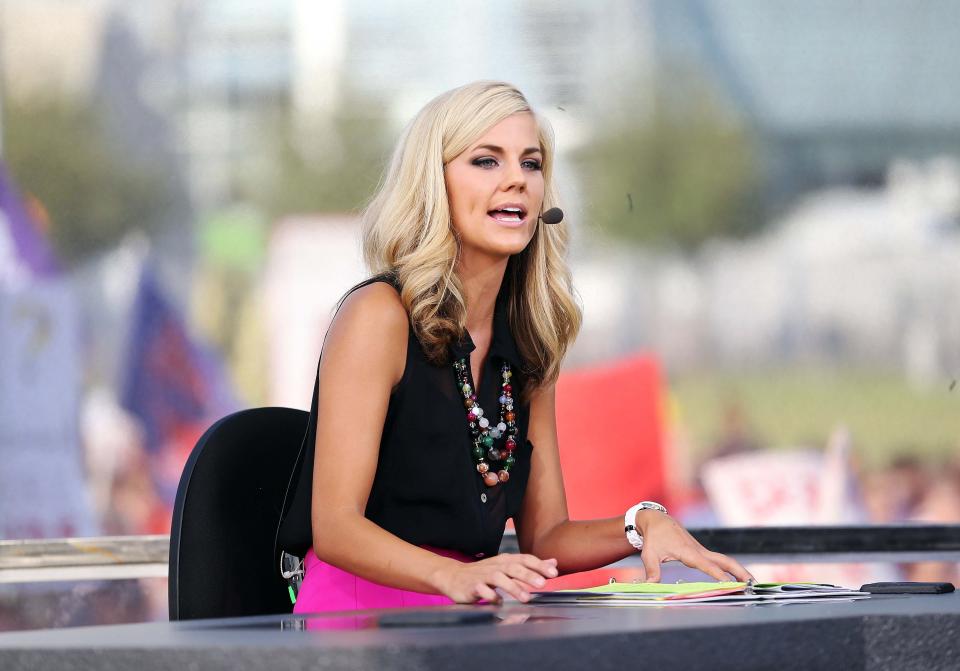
506, 215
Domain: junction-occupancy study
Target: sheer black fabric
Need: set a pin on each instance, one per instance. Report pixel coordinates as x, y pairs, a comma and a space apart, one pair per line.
426, 489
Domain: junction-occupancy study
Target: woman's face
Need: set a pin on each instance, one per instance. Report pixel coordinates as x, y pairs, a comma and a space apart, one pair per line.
495, 189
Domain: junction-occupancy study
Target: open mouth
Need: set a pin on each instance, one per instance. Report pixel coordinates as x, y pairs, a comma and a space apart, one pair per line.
509, 215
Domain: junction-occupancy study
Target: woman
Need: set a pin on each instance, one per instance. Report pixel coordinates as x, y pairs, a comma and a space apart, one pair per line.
434, 412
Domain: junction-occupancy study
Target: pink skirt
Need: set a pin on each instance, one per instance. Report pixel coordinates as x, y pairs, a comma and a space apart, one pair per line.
326, 588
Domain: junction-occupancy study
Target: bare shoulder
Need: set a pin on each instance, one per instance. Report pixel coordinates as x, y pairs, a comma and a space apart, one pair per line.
377, 306
371, 323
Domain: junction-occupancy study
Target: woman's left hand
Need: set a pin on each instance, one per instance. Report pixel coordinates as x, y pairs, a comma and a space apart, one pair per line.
664, 539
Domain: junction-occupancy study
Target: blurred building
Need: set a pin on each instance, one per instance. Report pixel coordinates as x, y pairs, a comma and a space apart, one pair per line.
191, 78
846, 276
849, 275
236, 73
49, 47
560, 52
834, 90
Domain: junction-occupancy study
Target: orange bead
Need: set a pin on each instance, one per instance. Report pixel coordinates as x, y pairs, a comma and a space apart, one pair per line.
503, 476
490, 479
510, 416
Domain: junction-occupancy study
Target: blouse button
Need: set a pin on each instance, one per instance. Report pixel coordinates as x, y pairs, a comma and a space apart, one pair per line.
479, 555
483, 497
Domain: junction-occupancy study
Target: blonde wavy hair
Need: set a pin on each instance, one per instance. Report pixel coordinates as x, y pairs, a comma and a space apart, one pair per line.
408, 232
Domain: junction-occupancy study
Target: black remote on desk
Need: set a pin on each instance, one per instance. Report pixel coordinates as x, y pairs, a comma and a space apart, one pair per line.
908, 587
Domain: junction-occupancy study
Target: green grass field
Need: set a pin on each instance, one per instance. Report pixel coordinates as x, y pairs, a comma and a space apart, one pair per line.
801, 406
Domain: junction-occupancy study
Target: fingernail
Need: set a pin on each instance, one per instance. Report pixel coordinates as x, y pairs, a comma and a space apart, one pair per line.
539, 582
552, 572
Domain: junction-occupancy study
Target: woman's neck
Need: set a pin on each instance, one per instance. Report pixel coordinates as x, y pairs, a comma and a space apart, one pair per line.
481, 284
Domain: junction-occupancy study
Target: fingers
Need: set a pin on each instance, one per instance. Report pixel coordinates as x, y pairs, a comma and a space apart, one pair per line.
520, 572
673, 542
545, 567
510, 586
651, 564
712, 570
730, 565
486, 593
699, 558
514, 575
694, 556
530, 569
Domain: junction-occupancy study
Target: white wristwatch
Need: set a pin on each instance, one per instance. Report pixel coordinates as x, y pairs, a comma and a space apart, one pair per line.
630, 521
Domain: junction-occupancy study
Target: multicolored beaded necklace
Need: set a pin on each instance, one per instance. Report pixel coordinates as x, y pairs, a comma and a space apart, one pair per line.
493, 464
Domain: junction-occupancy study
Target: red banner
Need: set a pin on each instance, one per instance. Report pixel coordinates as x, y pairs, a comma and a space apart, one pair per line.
610, 430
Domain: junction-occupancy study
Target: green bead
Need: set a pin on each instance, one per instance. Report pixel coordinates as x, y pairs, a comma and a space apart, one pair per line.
477, 452
509, 462
488, 441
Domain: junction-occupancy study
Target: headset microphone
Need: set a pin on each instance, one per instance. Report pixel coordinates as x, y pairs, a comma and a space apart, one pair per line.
552, 216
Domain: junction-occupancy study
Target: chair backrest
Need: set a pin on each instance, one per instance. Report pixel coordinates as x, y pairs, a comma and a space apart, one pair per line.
223, 561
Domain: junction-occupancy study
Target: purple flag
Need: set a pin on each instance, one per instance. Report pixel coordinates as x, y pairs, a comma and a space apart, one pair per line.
29, 248
173, 384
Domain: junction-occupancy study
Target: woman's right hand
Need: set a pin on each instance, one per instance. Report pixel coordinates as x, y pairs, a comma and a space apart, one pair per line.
514, 574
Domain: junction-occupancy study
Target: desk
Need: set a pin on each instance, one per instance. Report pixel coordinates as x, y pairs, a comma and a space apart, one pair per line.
884, 632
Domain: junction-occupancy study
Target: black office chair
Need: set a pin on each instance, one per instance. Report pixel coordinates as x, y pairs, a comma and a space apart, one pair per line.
223, 562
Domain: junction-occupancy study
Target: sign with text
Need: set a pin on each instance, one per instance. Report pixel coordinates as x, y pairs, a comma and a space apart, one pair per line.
42, 489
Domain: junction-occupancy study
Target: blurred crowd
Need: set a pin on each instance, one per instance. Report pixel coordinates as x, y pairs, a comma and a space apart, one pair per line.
793, 486
909, 490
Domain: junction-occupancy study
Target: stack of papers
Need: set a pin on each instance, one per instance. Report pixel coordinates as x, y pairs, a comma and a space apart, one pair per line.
681, 594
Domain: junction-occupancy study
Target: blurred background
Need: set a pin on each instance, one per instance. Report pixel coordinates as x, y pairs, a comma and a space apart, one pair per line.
764, 198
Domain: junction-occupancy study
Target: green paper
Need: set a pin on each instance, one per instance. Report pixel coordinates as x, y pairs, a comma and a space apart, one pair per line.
658, 587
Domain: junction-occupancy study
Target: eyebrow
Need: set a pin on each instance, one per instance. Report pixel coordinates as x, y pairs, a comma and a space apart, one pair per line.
499, 150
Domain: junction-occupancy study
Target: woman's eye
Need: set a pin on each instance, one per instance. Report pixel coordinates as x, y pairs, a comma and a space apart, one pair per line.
488, 162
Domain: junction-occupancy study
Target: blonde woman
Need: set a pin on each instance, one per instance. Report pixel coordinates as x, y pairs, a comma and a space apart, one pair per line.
433, 417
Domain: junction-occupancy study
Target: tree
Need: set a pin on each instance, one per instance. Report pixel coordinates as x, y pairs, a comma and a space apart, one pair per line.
62, 154
677, 176
333, 168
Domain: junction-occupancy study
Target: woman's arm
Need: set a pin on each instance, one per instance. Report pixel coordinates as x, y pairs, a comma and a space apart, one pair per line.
545, 530
364, 358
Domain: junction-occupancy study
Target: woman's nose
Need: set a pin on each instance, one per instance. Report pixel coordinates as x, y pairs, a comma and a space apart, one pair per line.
514, 177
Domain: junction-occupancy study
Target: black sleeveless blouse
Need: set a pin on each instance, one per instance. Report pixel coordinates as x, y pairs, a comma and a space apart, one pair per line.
426, 489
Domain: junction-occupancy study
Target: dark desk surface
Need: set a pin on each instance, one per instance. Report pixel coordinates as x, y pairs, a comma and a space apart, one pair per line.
884, 632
